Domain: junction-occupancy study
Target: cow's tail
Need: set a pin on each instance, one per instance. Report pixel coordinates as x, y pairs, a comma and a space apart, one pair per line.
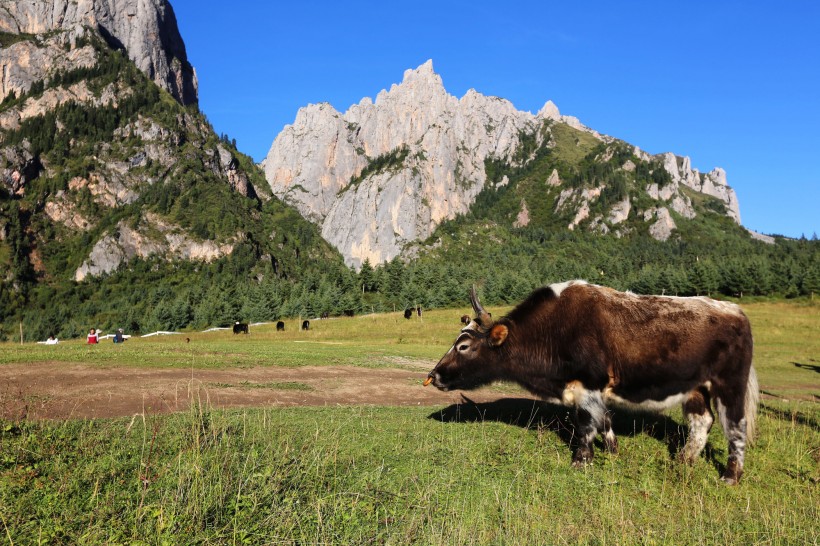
751, 403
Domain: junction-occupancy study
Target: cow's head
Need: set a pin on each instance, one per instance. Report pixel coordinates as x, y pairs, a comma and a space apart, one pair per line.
475, 358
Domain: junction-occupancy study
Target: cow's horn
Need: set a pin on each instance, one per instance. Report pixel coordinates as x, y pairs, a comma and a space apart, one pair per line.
483, 316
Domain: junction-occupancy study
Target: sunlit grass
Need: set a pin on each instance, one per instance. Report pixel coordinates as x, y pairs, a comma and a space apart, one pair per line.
358, 475
496, 473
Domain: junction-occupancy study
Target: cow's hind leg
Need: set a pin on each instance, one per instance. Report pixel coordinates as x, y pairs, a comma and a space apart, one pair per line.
733, 419
699, 415
590, 419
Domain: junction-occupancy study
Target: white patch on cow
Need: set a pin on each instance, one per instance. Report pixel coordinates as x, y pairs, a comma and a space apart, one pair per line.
724, 306
559, 287
647, 405
734, 432
609, 439
593, 402
694, 301
699, 426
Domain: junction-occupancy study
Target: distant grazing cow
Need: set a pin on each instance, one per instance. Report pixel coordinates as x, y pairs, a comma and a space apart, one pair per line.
305, 325
465, 319
280, 326
348, 312
408, 313
240, 327
587, 346
324, 315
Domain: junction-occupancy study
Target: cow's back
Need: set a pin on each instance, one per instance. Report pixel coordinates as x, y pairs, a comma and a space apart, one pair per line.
661, 340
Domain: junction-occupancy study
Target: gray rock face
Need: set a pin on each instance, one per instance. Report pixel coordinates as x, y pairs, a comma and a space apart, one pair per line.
712, 183
145, 29
441, 141
17, 166
385, 173
661, 229
164, 238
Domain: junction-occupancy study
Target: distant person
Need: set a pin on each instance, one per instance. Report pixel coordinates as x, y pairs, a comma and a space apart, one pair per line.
93, 338
118, 338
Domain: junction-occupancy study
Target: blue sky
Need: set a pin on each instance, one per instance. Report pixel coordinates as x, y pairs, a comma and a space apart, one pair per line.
730, 84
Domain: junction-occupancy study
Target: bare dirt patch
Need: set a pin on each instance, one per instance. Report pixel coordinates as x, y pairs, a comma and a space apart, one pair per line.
65, 391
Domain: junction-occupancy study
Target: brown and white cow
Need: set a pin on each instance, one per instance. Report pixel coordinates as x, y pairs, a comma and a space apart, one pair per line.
588, 346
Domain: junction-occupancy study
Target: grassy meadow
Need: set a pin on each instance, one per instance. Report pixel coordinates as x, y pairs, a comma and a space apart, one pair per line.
495, 473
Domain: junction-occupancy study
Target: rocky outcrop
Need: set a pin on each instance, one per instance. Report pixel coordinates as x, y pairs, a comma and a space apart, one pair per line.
165, 239
523, 218
577, 200
145, 29
17, 167
768, 239
388, 171
65, 212
25, 62
712, 183
663, 225
431, 146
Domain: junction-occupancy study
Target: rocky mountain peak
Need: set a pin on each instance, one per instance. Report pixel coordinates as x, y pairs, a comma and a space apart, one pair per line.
549, 111
424, 73
145, 29
386, 173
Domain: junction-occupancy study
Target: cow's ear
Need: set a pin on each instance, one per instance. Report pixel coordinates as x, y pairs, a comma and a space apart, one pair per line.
498, 335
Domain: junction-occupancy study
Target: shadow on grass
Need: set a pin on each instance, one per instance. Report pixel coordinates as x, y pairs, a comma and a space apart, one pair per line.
809, 367
542, 416
790, 416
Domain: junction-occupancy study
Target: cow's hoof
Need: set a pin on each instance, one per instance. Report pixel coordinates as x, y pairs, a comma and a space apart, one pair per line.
582, 458
733, 472
730, 480
686, 458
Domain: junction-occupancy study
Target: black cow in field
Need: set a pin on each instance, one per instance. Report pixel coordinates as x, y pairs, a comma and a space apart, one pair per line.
588, 346
240, 327
305, 325
465, 319
280, 326
324, 315
408, 313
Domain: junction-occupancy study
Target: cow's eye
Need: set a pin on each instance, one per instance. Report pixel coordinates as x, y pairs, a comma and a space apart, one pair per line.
463, 347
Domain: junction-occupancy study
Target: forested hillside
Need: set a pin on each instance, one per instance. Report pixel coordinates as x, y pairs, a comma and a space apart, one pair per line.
120, 207
109, 195
707, 254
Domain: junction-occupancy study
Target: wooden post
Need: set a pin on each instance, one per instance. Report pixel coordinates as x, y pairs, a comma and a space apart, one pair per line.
21, 332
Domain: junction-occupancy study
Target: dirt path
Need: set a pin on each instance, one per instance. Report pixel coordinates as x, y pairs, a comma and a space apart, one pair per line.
61, 391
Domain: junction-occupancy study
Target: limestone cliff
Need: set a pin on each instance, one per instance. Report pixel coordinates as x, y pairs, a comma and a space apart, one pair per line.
428, 149
385, 173
145, 29
96, 158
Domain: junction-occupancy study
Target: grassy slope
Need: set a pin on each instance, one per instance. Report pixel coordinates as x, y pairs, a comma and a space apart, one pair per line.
399, 475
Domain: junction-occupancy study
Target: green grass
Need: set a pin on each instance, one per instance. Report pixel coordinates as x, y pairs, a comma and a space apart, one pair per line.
394, 475
498, 473
571, 144
365, 341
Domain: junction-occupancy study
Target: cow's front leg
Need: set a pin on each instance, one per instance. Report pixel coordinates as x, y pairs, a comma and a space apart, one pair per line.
590, 419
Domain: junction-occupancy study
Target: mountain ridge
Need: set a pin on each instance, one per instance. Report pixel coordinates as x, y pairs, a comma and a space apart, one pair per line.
323, 164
